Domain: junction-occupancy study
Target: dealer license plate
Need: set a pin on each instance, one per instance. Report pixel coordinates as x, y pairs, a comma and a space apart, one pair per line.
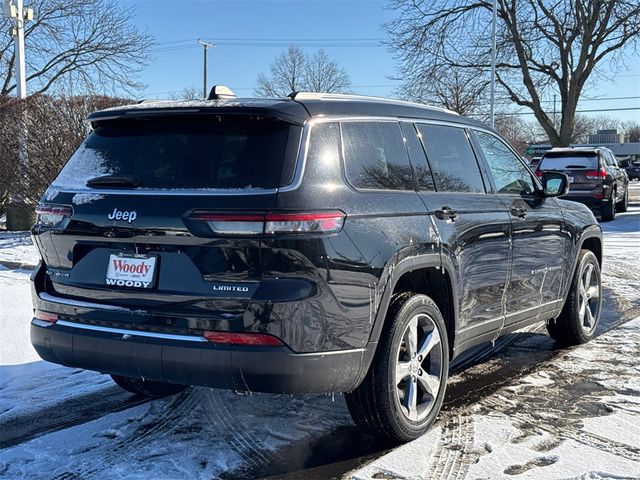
131, 270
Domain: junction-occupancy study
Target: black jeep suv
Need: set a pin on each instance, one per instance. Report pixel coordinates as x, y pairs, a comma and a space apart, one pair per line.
318, 243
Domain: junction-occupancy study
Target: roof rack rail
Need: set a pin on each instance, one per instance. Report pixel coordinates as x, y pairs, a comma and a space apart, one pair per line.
301, 96
220, 91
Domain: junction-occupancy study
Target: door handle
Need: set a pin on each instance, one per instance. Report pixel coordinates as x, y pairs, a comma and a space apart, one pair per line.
519, 212
446, 213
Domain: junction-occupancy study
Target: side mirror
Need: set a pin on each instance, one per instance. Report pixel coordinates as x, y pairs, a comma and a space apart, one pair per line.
555, 184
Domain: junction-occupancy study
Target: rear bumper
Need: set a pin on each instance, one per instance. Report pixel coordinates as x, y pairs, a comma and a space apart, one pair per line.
590, 201
194, 361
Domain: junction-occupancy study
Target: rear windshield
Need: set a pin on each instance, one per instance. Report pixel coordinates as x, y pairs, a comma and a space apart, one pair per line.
204, 152
569, 162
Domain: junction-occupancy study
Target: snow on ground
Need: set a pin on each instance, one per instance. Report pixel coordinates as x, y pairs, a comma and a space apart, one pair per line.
622, 250
584, 423
16, 249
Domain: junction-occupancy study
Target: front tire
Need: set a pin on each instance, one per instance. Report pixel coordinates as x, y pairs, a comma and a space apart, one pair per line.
402, 393
580, 315
147, 388
623, 205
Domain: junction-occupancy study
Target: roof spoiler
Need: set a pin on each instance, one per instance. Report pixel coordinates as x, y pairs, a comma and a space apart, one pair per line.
219, 92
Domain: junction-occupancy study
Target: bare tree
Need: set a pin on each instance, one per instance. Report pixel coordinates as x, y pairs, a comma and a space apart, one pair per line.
55, 127
516, 131
324, 75
287, 73
542, 46
187, 93
631, 130
457, 90
294, 71
87, 45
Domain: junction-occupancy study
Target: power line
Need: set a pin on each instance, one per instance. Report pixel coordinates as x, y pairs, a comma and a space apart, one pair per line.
577, 111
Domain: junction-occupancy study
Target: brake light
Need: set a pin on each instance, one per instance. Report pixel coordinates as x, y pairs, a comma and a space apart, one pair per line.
46, 316
52, 215
271, 223
233, 338
325, 222
539, 173
596, 174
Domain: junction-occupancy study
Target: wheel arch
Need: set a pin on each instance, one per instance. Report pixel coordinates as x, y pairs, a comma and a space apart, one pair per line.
591, 239
425, 274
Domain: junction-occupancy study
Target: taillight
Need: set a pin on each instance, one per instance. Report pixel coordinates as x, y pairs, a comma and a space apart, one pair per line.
52, 215
324, 222
46, 316
271, 223
596, 174
233, 338
539, 173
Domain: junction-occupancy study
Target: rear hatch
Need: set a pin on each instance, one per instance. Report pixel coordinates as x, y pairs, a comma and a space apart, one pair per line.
582, 168
137, 216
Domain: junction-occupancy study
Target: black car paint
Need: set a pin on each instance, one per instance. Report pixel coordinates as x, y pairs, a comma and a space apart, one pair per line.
324, 296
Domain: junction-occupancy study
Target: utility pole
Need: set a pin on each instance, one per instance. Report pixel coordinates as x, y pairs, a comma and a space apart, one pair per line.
493, 63
19, 212
206, 46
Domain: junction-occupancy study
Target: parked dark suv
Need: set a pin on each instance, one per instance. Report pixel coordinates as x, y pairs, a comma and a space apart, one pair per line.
595, 177
318, 243
633, 170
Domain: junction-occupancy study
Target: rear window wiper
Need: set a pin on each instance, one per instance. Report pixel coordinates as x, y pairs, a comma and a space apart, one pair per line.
126, 181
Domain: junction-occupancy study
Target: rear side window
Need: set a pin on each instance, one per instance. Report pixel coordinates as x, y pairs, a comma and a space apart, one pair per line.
375, 156
453, 163
569, 161
217, 152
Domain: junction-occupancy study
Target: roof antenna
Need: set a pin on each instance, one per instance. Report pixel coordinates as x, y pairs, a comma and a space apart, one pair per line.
219, 92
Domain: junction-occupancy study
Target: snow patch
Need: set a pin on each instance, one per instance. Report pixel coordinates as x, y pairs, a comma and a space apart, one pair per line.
82, 198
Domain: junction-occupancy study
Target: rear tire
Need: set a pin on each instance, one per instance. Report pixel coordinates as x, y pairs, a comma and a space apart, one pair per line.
580, 315
608, 212
623, 205
147, 388
402, 393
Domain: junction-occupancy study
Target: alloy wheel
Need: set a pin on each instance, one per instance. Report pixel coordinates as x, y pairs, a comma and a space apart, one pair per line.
418, 369
589, 298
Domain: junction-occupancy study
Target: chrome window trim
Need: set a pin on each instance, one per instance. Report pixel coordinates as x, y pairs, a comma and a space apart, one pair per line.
133, 333
308, 127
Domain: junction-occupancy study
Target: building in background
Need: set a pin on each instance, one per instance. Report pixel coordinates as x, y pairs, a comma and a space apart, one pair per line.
606, 136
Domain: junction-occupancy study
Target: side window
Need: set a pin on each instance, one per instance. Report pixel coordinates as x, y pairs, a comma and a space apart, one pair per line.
453, 163
375, 156
324, 145
509, 173
417, 157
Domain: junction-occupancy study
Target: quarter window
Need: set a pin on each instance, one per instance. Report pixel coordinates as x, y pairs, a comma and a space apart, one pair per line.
509, 173
375, 156
453, 163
